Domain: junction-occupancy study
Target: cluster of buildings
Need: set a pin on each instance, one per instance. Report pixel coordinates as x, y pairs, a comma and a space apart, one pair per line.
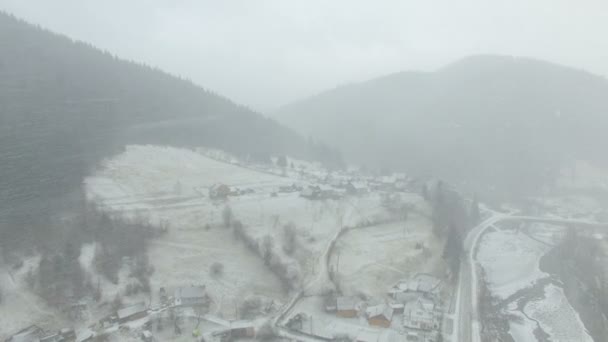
220, 191
338, 186
191, 296
412, 309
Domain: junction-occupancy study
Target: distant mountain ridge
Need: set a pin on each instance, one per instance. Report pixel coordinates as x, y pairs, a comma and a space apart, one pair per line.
65, 105
496, 121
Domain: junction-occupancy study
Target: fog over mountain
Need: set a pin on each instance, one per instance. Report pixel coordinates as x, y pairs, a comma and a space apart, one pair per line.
404, 194
268, 53
492, 121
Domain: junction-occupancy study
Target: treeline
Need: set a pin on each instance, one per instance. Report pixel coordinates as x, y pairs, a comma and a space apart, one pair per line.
580, 261
288, 271
65, 105
60, 278
452, 217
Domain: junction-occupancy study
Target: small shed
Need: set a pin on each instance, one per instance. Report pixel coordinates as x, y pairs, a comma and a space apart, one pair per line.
397, 307
347, 307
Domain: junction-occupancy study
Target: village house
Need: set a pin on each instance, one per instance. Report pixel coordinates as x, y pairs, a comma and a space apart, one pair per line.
419, 314
191, 296
397, 307
379, 315
346, 307
131, 313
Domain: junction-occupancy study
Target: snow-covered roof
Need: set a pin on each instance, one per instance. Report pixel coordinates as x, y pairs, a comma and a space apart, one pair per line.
346, 303
381, 310
419, 310
396, 306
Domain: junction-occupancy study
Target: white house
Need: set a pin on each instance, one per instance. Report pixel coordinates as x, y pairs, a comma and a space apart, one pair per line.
420, 314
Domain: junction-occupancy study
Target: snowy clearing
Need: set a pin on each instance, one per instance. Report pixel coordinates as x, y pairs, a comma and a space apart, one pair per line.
557, 317
497, 251
372, 259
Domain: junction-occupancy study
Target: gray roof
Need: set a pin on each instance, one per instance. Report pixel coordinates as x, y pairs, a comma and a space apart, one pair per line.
383, 310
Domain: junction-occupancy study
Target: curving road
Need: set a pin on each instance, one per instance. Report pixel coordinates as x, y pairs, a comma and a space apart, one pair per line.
467, 326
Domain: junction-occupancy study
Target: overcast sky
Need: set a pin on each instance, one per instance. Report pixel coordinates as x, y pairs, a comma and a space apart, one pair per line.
264, 53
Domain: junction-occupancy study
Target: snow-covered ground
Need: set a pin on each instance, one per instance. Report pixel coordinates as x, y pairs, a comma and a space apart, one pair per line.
370, 260
510, 260
557, 317
20, 308
170, 186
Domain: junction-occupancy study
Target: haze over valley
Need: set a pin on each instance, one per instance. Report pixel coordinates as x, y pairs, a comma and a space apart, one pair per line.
275, 171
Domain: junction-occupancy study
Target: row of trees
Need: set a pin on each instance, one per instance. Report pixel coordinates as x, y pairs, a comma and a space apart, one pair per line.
581, 260
288, 272
451, 219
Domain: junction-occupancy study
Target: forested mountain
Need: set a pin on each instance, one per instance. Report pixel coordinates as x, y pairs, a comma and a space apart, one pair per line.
64, 105
491, 121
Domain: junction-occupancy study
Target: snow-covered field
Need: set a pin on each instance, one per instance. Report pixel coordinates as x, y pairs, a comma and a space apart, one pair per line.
510, 260
557, 317
170, 186
370, 260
